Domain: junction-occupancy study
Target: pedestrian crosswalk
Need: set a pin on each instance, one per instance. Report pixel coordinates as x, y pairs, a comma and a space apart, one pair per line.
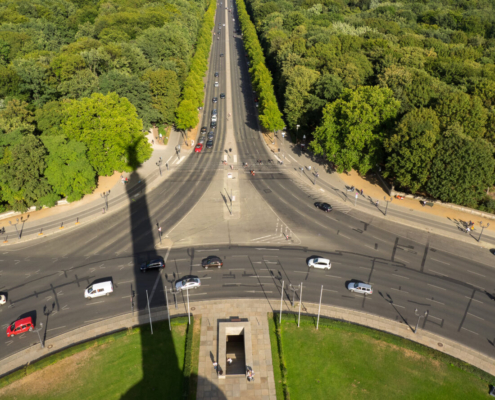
282, 234
318, 194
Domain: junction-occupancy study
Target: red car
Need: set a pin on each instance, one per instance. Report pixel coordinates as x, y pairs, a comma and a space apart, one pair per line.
198, 148
20, 326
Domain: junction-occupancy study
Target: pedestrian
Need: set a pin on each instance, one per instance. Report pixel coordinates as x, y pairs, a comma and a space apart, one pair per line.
215, 364
229, 360
468, 229
252, 375
152, 141
103, 211
377, 202
126, 180
166, 166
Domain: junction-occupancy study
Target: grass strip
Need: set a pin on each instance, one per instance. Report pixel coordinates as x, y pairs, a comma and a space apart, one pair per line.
278, 364
188, 366
193, 381
395, 340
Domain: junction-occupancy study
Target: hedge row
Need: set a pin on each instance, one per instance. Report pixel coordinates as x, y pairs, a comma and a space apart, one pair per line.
269, 113
283, 368
192, 92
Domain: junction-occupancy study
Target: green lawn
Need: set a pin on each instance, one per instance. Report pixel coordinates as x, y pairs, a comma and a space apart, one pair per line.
343, 361
130, 365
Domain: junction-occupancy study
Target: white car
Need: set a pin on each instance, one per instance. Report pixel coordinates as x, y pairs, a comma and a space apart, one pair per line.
223, 24
317, 262
3, 299
216, 84
188, 283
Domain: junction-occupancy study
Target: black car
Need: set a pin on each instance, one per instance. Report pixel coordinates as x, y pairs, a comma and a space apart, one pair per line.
323, 206
209, 143
217, 74
153, 264
221, 55
211, 135
212, 261
213, 124
222, 96
204, 129
214, 100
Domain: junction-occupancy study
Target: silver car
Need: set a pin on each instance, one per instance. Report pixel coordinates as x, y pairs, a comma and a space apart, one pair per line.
360, 287
188, 283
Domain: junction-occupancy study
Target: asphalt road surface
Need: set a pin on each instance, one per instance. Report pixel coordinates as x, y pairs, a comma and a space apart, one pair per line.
408, 269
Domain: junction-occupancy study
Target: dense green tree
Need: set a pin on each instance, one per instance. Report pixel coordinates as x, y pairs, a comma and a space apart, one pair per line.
68, 170
109, 127
412, 148
49, 119
82, 84
462, 170
136, 91
468, 111
353, 128
186, 115
21, 175
165, 92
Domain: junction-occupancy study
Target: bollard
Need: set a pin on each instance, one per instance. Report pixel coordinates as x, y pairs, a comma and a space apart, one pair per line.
77, 220
41, 232
61, 226
6, 239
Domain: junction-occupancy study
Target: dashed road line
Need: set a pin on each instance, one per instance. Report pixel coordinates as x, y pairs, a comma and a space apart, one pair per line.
438, 287
436, 272
435, 301
472, 284
476, 273
475, 316
469, 330
91, 303
400, 276
443, 262
400, 290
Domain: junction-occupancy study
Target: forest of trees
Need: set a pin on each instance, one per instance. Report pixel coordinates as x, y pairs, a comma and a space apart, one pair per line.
407, 87
80, 81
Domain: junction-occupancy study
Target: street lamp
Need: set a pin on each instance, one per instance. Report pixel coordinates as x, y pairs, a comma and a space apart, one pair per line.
39, 337
18, 233
294, 289
105, 195
419, 317
482, 228
387, 201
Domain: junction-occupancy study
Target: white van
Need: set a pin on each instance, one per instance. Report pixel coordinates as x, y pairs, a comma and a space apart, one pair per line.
98, 289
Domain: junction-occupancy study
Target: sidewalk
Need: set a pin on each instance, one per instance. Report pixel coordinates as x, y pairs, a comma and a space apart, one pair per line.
440, 220
61, 217
255, 311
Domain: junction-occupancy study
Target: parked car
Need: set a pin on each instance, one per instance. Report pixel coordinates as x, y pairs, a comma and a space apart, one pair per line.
323, 206
214, 112
213, 124
20, 326
209, 144
317, 262
153, 264
3, 299
201, 140
188, 283
98, 289
360, 287
198, 148
211, 135
212, 261
204, 129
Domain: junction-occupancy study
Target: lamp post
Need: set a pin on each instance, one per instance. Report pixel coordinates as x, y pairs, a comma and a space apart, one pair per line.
18, 234
104, 196
387, 201
482, 228
419, 317
39, 337
294, 289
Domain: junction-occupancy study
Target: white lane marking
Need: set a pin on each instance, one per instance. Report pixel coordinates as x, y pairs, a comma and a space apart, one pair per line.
196, 294
179, 161
195, 265
431, 316
258, 276
400, 259
91, 303
347, 237
472, 284
377, 238
443, 262
60, 327
93, 320
66, 307
301, 272
333, 276
400, 276
469, 330
436, 272
182, 259
206, 277
372, 248
270, 262
399, 290
330, 290
476, 273
237, 269
166, 162
240, 256
200, 251
473, 299
475, 316
438, 287
435, 301
257, 291
396, 305
292, 157
121, 283
262, 248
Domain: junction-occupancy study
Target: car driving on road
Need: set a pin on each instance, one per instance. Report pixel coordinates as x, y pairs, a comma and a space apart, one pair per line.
222, 96
20, 326
214, 100
318, 262
188, 283
153, 264
360, 287
209, 144
323, 206
212, 261
198, 148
